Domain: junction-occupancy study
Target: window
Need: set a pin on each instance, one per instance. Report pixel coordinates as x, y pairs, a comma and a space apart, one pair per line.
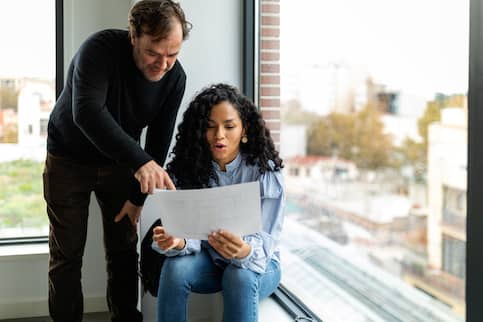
27, 95
43, 127
375, 110
453, 256
454, 208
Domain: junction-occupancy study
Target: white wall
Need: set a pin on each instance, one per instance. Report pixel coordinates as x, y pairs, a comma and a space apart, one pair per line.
83, 17
211, 54
213, 51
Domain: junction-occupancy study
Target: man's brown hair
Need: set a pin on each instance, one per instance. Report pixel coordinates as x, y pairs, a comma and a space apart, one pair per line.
156, 18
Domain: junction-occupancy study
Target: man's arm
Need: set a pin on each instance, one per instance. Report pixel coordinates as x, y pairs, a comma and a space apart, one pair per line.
90, 86
158, 139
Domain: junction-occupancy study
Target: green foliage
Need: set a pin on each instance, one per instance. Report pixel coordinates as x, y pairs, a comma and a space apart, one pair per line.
334, 133
431, 114
11, 134
414, 153
21, 201
433, 109
8, 98
375, 146
358, 137
292, 113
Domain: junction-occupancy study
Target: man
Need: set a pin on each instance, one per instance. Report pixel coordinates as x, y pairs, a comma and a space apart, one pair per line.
118, 83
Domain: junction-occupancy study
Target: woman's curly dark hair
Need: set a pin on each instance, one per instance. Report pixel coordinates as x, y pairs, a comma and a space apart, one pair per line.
192, 160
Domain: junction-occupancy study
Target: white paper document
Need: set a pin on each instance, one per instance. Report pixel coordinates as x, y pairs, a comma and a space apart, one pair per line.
196, 213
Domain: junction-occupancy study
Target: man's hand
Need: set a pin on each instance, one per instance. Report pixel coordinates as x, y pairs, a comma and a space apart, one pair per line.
166, 241
152, 176
229, 245
131, 210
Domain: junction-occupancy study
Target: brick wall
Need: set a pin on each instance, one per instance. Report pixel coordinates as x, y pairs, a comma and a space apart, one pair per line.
269, 70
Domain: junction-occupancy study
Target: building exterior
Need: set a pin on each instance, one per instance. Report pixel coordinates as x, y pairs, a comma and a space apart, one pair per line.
35, 102
23, 127
320, 168
8, 125
293, 139
447, 175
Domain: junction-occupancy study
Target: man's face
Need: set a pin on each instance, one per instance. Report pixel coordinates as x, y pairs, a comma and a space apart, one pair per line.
155, 57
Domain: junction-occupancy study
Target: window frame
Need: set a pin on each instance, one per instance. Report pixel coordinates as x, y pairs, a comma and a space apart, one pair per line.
59, 84
474, 226
250, 87
59, 47
250, 49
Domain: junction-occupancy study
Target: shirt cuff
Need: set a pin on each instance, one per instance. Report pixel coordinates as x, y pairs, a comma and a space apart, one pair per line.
241, 262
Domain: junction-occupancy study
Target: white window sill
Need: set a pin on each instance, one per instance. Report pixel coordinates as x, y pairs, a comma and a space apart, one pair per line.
272, 311
9, 251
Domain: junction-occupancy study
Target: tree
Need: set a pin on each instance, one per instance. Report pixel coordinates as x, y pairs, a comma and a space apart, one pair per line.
359, 137
293, 113
433, 109
10, 134
415, 153
431, 114
333, 131
8, 98
375, 146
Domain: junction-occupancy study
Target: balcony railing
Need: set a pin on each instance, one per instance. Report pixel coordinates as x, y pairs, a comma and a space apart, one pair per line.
440, 281
451, 218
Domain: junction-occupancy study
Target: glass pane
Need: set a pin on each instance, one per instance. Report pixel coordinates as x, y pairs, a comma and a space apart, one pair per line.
374, 140
27, 95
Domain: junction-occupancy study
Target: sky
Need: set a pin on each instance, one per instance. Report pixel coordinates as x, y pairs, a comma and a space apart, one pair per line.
417, 46
28, 38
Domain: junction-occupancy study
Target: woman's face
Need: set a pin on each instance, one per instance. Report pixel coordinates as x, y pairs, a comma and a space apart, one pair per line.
224, 132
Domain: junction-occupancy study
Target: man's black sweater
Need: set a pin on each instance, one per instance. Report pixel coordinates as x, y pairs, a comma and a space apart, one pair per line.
106, 102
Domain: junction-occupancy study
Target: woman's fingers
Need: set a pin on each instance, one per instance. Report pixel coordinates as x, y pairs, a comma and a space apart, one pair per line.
160, 236
164, 240
223, 245
230, 237
166, 243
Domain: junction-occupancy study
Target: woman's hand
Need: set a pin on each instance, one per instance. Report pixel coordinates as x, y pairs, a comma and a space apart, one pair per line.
229, 245
166, 241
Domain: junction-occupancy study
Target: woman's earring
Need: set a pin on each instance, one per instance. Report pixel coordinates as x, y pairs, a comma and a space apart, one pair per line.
244, 139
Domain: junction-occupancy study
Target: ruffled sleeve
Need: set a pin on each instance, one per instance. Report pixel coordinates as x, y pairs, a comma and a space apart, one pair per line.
271, 184
265, 243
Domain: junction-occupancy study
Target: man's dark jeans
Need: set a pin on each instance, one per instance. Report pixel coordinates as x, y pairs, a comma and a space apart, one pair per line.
67, 189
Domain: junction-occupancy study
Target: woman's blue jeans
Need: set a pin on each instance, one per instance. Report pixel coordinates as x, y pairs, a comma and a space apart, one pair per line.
242, 289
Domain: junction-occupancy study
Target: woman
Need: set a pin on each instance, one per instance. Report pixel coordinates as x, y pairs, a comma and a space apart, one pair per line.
223, 140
